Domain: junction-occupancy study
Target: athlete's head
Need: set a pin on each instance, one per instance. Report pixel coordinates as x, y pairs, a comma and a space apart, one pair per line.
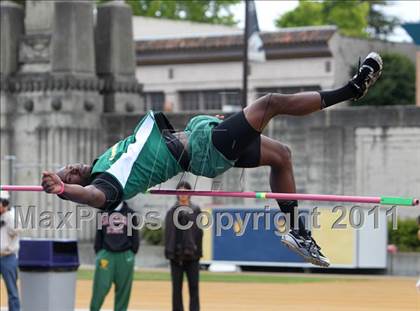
75, 174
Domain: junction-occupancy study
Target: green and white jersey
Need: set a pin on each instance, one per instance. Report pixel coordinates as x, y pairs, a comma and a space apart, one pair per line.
140, 161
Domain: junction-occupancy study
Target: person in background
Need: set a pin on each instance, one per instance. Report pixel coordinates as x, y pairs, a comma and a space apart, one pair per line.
184, 248
115, 252
9, 246
418, 237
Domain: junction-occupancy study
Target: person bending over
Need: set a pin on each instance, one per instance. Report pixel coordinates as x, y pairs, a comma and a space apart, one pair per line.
208, 146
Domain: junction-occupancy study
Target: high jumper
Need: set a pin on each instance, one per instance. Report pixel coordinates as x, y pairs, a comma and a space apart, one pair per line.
208, 146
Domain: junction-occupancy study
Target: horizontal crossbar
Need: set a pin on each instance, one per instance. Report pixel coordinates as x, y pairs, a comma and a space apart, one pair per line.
264, 195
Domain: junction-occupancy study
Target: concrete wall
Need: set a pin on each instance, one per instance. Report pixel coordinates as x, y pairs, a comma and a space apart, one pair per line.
404, 264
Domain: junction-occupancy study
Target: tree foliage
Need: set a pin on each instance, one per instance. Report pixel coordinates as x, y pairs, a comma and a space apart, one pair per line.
380, 25
396, 86
153, 236
307, 13
405, 237
359, 18
204, 11
21, 2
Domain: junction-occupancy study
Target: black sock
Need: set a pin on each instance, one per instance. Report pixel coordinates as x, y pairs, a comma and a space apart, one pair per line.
290, 208
332, 97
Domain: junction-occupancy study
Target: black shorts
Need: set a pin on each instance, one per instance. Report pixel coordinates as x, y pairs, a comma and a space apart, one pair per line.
251, 155
237, 140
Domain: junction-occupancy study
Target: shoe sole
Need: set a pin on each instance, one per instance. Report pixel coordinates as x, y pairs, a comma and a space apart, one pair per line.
307, 258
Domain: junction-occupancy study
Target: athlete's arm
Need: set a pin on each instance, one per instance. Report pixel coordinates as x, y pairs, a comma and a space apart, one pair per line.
89, 195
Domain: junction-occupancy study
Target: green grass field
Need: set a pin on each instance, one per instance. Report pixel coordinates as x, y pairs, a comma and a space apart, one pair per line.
85, 274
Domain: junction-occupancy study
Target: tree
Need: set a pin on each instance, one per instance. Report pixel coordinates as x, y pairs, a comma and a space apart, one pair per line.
21, 2
360, 18
396, 86
380, 24
405, 237
306, 14
203, 11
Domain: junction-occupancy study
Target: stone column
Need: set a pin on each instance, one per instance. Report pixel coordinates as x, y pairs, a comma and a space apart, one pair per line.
11, 30
35, 46
115, 58
11, 16
57, 117
73, 49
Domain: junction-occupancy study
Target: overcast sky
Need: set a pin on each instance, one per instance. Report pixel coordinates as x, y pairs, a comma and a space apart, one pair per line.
269, 10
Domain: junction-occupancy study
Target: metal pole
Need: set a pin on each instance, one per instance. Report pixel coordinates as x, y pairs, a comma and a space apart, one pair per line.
11, 159
245, 61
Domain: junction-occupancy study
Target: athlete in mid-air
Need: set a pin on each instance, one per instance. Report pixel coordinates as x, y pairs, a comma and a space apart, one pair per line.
208, 146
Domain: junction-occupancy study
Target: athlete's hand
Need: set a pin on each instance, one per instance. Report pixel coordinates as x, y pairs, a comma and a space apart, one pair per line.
220, 116
51, 183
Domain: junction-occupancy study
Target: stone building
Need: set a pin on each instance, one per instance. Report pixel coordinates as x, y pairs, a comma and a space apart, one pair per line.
199, 70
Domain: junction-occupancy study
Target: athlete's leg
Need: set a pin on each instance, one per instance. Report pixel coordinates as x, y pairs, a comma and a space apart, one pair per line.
272, 153
278, 156
265, 108
233, 135
239, 138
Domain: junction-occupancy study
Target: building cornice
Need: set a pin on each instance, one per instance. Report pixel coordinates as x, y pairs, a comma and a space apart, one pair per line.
296, 43
35, 82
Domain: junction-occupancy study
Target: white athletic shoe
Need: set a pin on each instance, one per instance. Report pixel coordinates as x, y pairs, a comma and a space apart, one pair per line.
369, 71
305, 247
